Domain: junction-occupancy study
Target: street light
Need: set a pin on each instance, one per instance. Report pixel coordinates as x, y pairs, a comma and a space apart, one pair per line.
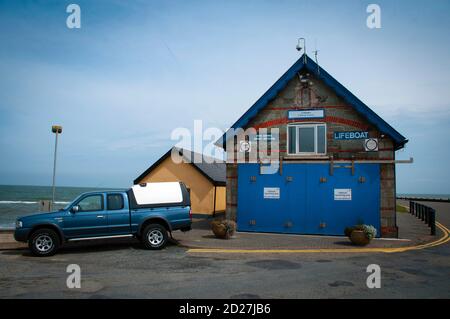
57, 129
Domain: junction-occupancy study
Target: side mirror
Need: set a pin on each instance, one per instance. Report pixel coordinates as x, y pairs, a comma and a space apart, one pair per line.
75, 209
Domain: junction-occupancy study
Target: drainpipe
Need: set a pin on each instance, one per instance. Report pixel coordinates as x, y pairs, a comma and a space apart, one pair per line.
215, 190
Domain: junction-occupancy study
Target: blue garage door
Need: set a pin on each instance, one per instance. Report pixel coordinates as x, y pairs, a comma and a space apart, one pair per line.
306, 199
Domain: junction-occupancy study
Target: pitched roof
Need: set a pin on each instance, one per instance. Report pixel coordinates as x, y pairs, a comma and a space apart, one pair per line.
213, 169
305, 62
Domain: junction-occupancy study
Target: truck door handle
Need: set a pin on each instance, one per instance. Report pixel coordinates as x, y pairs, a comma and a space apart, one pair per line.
100, 216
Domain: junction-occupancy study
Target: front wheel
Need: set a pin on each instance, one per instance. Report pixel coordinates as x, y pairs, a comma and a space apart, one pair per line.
44, 242
154, 236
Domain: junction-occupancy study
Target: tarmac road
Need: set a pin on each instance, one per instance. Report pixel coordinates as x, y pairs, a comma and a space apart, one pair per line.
124, 270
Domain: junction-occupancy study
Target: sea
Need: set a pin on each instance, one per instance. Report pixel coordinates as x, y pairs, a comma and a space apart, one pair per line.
18, 200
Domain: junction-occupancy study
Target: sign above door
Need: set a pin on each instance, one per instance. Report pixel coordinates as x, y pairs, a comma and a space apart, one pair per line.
306, 114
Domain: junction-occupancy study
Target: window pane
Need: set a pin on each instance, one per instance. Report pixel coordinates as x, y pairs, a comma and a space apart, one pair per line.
321, 138
91, 203
306, 139
115, 202
292, 139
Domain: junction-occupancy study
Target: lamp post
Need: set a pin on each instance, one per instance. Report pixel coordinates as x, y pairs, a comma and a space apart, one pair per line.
57, 129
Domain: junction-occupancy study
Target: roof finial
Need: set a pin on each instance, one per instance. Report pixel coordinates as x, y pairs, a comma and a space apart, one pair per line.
299, 48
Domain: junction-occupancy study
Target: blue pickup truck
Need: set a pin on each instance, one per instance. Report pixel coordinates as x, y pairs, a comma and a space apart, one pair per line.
146, 211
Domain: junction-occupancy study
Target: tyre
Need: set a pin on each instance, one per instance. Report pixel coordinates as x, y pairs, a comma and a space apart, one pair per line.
44, 242
154, 236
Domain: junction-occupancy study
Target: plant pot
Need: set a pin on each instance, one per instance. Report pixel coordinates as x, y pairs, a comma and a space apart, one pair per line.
359, 238
220, 230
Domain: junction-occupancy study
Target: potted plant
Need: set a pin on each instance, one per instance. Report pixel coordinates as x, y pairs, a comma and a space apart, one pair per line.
348, 231
361, 235
224, 228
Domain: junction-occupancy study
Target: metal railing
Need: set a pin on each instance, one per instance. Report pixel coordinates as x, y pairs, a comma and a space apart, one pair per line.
425, 199
425, 213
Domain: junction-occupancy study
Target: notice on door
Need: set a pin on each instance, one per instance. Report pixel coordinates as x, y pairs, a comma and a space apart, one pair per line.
271, 193
342, 194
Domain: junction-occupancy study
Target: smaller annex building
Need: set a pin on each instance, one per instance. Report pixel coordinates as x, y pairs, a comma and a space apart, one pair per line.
205, 179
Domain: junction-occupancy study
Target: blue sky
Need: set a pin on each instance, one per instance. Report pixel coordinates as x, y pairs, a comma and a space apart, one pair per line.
137, 69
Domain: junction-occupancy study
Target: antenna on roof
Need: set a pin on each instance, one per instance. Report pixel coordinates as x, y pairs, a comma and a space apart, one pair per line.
315, 55
299, 48
317, 62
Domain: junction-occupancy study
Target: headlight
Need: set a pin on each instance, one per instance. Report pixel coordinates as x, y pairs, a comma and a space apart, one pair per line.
19, 224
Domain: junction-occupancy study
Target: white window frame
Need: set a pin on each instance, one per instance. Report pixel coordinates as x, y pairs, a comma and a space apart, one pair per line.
306, 125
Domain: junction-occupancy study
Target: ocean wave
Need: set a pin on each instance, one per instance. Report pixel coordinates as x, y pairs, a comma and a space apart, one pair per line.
27, 202
8, 226
16, 202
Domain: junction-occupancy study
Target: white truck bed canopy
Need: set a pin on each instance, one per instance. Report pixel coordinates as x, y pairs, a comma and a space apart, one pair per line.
157, 193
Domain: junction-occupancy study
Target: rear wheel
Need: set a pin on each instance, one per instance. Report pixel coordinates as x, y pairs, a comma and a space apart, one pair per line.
154, 236
44, 242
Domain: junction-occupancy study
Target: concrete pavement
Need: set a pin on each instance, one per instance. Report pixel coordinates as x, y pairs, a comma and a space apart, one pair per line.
413, 232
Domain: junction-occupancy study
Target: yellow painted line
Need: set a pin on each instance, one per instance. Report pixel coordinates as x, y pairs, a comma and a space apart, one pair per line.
444, 239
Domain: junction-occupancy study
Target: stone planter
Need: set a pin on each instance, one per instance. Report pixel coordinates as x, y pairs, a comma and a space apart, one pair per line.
359, 238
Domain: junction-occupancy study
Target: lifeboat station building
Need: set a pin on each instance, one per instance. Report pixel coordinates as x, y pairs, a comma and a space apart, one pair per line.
336, 160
